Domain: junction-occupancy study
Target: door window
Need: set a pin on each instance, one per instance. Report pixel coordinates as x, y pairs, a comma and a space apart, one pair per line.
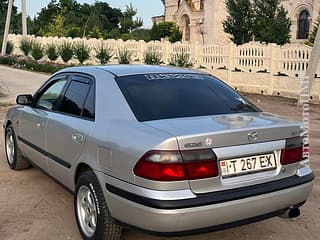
75, 97
49, 99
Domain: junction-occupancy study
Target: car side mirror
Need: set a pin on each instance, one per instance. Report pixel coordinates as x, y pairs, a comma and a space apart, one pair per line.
24, 100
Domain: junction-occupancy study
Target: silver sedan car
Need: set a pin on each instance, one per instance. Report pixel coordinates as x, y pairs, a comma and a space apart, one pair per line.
167, 151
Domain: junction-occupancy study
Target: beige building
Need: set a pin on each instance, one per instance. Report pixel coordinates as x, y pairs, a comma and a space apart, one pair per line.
201, 20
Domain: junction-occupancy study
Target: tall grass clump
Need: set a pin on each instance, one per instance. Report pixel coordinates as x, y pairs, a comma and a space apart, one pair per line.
180, 59
66, 51
9, 47
82, 52
104, 53
37, 50
52, 52
152, 57
26, 46
124, 56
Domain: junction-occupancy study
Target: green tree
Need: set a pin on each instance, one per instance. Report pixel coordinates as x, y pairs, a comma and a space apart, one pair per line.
166, 30
239, 23
15, 25
271, 23
79, 19
127, 21
57, 27
313, 34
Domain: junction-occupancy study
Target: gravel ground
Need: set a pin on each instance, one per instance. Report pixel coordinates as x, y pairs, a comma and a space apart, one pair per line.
33, 206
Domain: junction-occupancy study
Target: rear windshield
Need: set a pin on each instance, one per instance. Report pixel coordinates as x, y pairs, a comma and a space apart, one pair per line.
165, 96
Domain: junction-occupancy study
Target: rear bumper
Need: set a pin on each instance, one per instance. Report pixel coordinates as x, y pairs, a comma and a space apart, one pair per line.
227, 209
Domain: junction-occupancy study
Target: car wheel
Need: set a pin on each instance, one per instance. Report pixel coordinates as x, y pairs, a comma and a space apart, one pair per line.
14, 156
91, 211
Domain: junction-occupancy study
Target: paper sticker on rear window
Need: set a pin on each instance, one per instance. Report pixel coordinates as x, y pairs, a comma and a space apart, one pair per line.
152, 77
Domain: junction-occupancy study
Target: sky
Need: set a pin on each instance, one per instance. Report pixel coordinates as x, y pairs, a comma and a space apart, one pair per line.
146, 8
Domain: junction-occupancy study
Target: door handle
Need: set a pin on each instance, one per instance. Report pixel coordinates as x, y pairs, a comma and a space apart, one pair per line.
78, 138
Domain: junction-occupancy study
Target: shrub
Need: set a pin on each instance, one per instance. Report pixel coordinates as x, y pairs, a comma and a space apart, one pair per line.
82, 52
37, 50
26, 46
124, 56
152, 57
181, 59
9, 47
66, 51
52, 52
30, 64
128, 36
104, 53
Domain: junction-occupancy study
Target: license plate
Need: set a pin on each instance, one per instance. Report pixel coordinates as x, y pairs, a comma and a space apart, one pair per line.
247, 165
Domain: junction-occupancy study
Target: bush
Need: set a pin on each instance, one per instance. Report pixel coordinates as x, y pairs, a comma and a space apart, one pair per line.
37, 50
152, 57
74, 32
82, 52
30, 64
180, 60
124, 56
52, 52
128, 36
9, 48
26, 46
66, 51
104, 53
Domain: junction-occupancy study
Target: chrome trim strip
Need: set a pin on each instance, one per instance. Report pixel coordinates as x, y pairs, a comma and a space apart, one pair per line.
249, 149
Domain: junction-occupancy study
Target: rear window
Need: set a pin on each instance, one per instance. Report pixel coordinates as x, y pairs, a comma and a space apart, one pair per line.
165, 96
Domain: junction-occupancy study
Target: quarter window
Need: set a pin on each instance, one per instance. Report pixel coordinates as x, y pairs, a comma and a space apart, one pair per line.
50, 98
74, 98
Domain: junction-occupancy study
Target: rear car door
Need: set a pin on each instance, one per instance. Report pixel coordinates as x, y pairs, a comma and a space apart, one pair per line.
67, 128
33, 120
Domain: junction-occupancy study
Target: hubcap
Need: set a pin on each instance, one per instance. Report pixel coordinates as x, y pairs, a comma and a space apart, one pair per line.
86, 209
10, 147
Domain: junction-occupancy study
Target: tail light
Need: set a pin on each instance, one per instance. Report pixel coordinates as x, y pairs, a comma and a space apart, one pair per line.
177, 165
293, 152
291, 155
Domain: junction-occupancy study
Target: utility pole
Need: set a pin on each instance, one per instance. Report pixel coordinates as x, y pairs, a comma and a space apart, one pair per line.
6, 29
24, 18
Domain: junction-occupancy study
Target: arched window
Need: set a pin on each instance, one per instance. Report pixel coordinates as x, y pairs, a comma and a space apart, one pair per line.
201, 4
303, 25
186, 28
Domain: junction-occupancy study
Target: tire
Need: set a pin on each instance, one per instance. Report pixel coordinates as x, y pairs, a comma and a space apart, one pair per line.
88, 195
14, 155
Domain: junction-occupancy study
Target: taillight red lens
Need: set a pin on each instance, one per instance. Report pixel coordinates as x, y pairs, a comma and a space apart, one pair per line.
177, 166
160, 171
200, 163
203, 169
291, 155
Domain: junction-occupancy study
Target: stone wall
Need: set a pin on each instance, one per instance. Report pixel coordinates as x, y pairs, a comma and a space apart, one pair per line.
253, 67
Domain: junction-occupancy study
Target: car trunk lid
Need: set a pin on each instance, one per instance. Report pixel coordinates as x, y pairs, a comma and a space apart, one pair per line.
232, 136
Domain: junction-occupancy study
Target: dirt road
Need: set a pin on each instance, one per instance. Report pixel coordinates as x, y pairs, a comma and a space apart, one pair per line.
33, 206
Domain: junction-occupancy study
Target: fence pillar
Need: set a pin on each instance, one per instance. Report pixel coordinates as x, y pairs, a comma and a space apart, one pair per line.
197, 53
273, 49
230, 62
167, 51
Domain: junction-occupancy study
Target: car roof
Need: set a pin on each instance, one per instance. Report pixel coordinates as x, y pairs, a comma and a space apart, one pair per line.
132, 69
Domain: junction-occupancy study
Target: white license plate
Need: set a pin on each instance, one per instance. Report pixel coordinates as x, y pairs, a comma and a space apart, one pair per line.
247, 165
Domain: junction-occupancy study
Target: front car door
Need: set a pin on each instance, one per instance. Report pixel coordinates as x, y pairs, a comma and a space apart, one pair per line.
33, 121
68, 127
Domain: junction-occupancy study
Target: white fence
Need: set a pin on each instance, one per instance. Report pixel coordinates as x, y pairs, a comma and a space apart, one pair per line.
253, 67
